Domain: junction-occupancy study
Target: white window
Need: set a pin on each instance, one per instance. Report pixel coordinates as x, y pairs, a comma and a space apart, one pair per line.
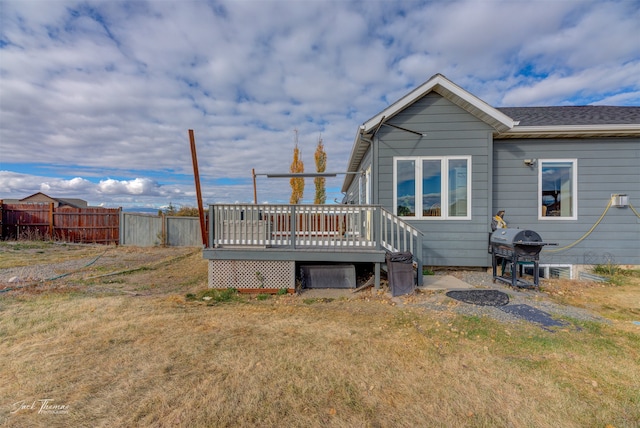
432, 187
547, 270
558, 189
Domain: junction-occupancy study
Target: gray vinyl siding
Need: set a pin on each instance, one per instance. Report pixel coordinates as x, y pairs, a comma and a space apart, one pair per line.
605, 166
450, 131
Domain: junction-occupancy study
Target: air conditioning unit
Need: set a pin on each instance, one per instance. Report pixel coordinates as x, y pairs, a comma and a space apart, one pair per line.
619, 200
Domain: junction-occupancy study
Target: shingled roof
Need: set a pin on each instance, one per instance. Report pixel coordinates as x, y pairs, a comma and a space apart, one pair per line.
573, 115
507, 122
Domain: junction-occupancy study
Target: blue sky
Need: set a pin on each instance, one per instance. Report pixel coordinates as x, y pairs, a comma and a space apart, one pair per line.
96, 98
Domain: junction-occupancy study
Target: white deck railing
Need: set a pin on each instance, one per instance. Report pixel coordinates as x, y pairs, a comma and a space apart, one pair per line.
294, 226
311, 226
398, 235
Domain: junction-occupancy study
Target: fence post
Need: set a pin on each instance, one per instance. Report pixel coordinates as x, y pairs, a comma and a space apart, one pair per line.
121, 227
163, 232
51, 223
118, 242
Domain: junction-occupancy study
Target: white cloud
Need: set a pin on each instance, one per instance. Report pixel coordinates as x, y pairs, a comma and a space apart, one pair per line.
596, 82
99, 87
17, 185
138, 186
76, 184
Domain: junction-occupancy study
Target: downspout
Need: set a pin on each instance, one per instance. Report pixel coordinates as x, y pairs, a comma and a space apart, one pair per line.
374, 199
490, 156
374, 160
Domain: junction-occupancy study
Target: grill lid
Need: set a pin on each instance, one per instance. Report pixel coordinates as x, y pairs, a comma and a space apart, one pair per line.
514, 237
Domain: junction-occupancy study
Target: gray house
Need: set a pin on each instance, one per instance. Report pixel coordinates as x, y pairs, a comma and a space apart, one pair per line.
445, 162
428, 173
41, 198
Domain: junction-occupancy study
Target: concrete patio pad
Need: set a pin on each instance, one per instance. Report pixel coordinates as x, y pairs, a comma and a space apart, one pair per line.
443, 282
430, 282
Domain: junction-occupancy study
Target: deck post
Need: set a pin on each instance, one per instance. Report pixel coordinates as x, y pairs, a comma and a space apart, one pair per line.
376, 274
419, 258
292, 226
211, 242
377, 228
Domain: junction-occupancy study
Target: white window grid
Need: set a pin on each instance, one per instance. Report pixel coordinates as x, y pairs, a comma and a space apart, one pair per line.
444, 185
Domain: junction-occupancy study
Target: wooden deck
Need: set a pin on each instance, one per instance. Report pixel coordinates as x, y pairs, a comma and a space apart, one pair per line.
309, 233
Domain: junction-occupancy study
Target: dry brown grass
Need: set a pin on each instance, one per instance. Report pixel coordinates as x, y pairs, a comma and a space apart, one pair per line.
618, 300
158, 359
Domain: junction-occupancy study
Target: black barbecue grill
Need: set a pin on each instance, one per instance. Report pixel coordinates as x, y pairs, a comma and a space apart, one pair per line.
516, 246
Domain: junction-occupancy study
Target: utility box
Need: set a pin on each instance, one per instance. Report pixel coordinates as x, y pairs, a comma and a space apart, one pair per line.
619, 200
328, 276
400, 273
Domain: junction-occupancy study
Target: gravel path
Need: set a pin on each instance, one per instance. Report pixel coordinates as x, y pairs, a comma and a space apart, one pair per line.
43, 272
107, 261
539, 300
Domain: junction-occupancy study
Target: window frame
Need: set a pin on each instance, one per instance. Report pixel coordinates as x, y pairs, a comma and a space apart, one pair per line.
574, 190
444, 186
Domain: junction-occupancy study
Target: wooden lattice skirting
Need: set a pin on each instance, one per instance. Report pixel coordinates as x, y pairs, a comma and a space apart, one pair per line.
259, 276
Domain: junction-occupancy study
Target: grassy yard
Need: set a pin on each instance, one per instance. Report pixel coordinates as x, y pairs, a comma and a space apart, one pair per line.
142, 348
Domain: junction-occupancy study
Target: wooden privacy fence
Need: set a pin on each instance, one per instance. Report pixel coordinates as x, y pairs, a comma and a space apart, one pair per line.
80, 225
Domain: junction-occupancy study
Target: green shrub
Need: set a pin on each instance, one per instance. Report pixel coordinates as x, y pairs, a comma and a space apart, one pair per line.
609, 269
427, 271
213, 296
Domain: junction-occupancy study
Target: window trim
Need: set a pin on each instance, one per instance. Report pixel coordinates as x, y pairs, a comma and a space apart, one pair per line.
574, 190
444, 186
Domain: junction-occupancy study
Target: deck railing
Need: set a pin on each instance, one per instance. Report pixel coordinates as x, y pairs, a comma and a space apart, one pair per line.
312, 226
293, 226
398, 235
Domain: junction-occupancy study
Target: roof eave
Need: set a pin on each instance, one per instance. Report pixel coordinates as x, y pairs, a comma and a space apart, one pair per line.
441, 85
359, 148
621, 130
454, 93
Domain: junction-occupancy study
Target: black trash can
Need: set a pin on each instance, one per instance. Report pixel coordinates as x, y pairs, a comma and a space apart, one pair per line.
400, 273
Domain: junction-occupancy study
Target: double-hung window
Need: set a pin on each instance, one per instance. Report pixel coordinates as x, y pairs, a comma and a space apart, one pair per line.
432, 187
558, 189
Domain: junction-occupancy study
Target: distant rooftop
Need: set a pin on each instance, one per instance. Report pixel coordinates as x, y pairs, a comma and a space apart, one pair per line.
573, 115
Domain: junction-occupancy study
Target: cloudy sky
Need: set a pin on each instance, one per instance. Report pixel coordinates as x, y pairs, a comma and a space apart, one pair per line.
97, 98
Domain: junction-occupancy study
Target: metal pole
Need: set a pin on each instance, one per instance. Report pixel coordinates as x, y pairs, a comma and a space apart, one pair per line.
255, 191
196, 175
